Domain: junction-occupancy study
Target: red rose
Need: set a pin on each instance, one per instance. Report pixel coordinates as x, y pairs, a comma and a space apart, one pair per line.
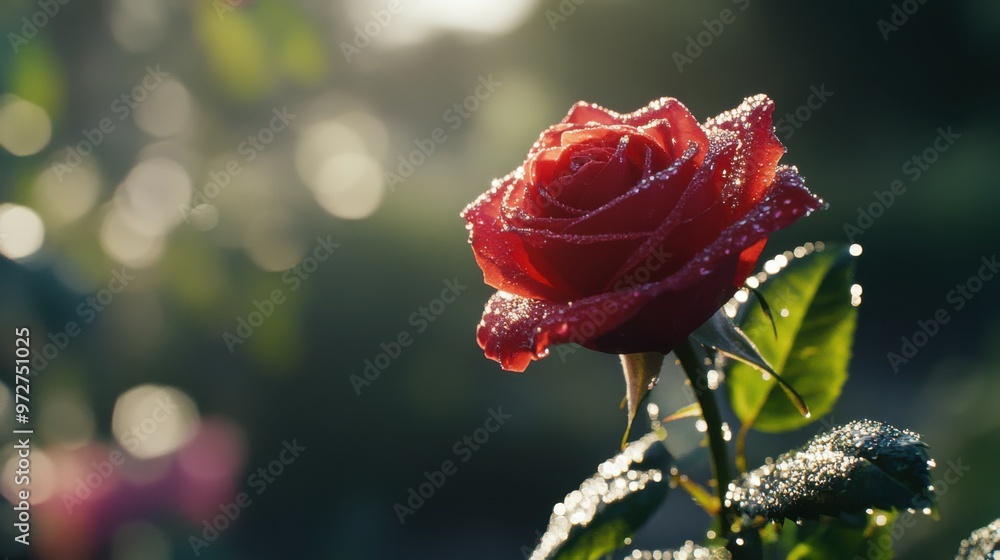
624, 233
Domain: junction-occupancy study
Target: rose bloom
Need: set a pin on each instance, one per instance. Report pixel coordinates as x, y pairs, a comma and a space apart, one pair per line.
624, 233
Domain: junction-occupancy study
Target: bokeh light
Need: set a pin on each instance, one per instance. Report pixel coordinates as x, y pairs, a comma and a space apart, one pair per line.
421, 21
66, 198
25, 128
123, 243
153, 420
42, 473
152, 194
349, 185
138, 25
166, 111
21, 231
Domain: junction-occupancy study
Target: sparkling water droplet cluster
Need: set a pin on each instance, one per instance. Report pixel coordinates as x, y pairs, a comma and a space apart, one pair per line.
641, 468
982, 544
847, 470
689, 551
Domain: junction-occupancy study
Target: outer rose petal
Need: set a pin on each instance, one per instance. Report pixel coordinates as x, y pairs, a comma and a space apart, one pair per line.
501, 253
652, 317
752, 167
583, 113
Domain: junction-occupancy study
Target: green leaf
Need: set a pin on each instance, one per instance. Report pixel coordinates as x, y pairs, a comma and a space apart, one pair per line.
841, 473
701, 496
721, 334
982, 544
609, 506
692, 410
236, 52
36, 75
835, 539
641, 372
765, 309
815, 321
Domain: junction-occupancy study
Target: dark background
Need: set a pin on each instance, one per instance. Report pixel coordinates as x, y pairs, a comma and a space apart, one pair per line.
291, 380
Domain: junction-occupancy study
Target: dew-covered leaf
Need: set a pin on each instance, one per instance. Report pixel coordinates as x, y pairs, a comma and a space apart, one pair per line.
982, 544
815, 320
843, 472
610, 506
689, 551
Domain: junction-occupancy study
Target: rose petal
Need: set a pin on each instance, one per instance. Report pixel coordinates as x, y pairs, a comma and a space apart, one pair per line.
577, 263
618, 174
683, 127
751, 171
700, 194
646, 204
683, 130
507, 332
500, 252
585, 113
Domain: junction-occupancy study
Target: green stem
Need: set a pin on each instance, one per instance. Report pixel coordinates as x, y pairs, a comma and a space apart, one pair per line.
695, 371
